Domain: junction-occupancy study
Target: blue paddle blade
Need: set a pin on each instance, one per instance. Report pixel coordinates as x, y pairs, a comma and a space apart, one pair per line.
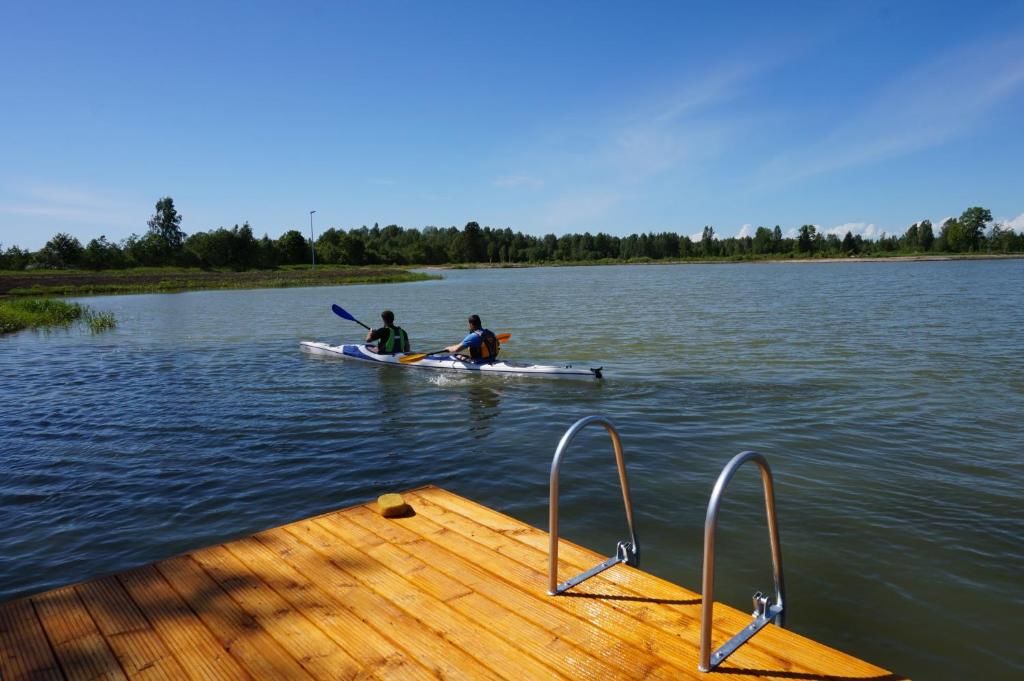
340, 311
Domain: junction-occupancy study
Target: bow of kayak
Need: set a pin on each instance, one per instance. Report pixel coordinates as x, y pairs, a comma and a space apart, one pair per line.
451, 363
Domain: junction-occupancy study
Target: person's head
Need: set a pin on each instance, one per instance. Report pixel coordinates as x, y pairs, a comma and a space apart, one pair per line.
474, 322
388, 316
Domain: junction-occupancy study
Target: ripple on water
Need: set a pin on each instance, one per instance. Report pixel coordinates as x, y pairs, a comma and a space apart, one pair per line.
887, 398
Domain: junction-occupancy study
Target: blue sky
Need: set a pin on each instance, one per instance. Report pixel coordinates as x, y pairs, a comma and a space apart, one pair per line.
542, 117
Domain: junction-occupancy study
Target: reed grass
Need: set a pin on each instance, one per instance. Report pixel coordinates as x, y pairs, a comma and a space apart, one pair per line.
18, 314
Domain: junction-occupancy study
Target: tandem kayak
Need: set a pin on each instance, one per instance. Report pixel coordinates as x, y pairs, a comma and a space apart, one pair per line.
451, 363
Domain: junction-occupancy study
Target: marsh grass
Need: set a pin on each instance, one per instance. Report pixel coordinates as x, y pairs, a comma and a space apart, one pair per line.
17, 314
100, 321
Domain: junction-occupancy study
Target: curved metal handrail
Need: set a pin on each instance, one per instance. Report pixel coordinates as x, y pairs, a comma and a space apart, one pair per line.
625, 552
763, 611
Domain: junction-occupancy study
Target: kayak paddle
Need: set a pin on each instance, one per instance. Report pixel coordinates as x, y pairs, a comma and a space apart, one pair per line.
410, 359
340, 311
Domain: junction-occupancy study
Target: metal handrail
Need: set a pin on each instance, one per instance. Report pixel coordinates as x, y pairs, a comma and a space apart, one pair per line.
625, 552
763, 611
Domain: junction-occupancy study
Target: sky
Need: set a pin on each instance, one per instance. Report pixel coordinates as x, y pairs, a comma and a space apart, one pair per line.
543, 117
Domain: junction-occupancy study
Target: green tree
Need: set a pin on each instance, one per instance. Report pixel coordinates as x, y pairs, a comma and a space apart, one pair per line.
15, 258
707, 241
925, 236
973, 221
62, 251
805, 242
952, 237
472, 244
849, 246
100, 254
329, 247
165, 230
293, 248
911, 239
354, 249
245, 248
832, 244
762, 241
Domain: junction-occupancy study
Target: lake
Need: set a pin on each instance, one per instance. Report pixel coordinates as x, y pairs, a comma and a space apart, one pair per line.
888, 398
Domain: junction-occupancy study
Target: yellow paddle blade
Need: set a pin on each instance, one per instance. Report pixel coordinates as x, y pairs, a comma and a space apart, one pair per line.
412, 359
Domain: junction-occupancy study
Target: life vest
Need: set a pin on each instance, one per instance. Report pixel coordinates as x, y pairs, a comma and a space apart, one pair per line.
487, 348
396, 340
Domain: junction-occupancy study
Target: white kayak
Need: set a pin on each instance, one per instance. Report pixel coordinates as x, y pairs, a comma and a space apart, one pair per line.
451, 363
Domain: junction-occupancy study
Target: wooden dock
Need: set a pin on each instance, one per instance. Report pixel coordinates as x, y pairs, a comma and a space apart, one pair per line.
456, 590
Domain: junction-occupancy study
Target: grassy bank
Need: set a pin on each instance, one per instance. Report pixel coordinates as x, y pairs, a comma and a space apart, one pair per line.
17, 314
170, 279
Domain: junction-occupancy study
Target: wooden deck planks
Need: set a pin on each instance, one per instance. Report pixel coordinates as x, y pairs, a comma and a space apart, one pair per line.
138, 648
616, 656
80, 648
456, 590
490, 651
504, 621
412, 638
379, 656
667, 607
194, 646
24, 651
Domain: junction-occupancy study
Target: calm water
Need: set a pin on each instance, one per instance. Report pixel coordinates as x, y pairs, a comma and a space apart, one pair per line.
887, 397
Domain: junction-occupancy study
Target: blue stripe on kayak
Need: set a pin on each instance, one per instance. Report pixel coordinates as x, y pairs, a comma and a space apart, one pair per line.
352, 351
443, 362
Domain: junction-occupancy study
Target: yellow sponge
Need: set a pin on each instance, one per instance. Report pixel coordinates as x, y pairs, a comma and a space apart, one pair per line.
392, 505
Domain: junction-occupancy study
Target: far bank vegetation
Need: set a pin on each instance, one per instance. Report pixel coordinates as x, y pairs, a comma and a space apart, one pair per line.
238, 248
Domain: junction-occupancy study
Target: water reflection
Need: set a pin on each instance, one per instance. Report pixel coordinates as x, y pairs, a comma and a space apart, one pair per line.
483, 401
391, 397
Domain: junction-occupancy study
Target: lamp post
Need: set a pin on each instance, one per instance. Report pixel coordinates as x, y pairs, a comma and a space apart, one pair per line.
312, 243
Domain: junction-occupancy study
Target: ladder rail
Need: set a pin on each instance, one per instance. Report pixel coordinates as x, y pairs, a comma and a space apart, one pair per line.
626, 552
763, 611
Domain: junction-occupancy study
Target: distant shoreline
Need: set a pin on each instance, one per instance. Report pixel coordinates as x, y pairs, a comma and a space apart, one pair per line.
17, 284
731, 261
174, 280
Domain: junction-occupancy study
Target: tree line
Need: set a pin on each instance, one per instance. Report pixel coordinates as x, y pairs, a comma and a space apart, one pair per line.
238, 248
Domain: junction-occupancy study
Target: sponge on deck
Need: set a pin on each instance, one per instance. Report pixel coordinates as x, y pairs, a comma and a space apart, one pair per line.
392, 505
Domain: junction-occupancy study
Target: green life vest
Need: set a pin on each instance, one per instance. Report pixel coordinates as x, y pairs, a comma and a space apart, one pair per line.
397, 340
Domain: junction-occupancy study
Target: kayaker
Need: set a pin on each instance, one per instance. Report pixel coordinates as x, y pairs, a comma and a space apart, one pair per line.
481, 343
390, 338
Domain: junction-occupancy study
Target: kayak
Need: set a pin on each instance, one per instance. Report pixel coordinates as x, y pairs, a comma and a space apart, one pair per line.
451, 363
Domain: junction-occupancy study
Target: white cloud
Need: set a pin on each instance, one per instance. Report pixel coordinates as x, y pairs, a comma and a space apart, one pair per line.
1016, 224
597, 161
575, 209
745, 231
868, 230
32, 213
72, 205
925, 107
517, 181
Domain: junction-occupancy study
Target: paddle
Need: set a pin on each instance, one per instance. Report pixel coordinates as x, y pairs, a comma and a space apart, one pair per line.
410, 359
340, 311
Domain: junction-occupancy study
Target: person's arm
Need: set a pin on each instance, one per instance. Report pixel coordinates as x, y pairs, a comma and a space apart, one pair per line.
373, 334
464, 344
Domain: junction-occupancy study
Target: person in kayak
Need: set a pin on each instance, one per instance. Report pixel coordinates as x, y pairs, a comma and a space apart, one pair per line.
482, 344
390, 338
